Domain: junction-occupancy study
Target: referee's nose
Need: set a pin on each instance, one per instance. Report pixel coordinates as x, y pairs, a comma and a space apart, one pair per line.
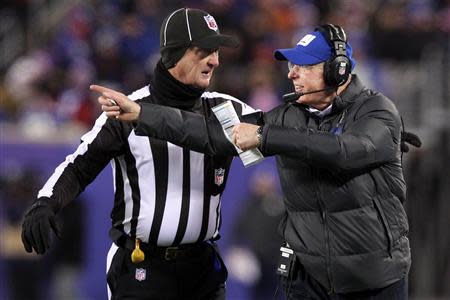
213, 59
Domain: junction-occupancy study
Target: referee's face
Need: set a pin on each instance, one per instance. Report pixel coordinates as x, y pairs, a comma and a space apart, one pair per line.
196, 67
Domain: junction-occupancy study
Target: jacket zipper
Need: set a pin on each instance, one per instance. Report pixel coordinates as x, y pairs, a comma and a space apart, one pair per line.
326, 236
326, 230
328, 249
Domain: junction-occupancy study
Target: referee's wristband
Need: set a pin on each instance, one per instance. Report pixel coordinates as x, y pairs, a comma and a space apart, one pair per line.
36, 204
259, 132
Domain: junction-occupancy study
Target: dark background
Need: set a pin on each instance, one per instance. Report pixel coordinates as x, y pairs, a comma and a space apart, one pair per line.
50, 51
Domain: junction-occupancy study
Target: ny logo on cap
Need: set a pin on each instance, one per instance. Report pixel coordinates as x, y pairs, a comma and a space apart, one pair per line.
211, 22
306, 40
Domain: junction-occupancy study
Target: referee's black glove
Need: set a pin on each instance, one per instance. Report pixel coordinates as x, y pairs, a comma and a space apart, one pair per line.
36, 227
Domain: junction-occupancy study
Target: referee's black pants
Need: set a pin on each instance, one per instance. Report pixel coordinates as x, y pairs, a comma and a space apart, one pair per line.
198, 277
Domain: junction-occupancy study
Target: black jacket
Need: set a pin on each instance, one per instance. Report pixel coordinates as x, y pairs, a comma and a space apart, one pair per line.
342, 180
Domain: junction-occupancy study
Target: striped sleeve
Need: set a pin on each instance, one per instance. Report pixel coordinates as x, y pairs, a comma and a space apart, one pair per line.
81, 167
98, 146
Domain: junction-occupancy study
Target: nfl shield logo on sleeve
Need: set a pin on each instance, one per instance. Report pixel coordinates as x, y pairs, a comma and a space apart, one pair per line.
141, 274
219, 175
211, 22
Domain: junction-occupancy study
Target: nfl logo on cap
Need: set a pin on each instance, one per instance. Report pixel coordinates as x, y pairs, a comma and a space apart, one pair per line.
141, 274
211, 22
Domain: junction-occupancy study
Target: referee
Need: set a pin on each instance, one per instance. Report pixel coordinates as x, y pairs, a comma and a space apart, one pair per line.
167, 206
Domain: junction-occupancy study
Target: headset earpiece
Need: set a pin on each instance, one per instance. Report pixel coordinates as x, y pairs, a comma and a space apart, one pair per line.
337, 68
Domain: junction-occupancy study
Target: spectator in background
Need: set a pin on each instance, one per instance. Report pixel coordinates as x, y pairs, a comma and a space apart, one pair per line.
74, 103
25, 274
255, 239
428, 178
67, 259
262, 93
28, 278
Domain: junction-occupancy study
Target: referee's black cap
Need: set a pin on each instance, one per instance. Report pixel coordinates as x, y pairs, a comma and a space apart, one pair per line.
187, 27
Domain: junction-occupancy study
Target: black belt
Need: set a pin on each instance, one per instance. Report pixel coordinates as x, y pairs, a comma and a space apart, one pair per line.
167, 253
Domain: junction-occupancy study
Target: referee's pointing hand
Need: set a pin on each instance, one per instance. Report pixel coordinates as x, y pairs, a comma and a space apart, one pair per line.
117, 105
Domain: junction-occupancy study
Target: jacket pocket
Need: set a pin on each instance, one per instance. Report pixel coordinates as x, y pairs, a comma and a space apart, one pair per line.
385, 223
396, 217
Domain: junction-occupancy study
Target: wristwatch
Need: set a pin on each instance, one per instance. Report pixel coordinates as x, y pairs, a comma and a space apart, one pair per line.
259, 132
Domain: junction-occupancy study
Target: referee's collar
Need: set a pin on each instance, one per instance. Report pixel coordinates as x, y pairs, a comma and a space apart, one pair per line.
166, 90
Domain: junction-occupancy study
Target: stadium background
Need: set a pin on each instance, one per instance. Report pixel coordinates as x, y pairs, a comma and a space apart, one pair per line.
52, 50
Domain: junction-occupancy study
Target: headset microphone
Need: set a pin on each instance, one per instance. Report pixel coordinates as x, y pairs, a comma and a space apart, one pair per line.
292, 97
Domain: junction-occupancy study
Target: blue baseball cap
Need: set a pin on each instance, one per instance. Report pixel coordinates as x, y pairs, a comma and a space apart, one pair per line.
312, 49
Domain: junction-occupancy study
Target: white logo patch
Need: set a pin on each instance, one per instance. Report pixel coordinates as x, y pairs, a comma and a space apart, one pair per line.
211, 22
219, 175
306, 40
141, 274
342, 68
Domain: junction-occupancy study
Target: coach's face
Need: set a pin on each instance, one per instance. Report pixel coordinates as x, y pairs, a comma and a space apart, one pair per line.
196, 67
307, 79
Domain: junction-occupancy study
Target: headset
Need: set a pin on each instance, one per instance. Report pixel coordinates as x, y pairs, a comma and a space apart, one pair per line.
337, 68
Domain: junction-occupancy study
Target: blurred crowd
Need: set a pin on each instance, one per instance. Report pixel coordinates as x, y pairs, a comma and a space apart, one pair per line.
57, 48
53, 50
27, 276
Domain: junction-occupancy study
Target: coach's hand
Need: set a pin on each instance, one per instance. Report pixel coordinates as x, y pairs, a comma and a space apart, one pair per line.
245, 136
117, 105
36, 227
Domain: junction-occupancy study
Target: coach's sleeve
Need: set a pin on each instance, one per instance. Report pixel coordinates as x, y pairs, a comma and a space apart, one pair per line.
185, 129
371, 140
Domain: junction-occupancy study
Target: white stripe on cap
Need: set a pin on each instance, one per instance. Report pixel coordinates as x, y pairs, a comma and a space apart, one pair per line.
188, 27
165, 27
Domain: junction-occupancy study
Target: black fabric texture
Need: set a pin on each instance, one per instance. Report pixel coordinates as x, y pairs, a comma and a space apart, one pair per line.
36, 228
193, 26
168, 91
200, 277
364, 244
171, 55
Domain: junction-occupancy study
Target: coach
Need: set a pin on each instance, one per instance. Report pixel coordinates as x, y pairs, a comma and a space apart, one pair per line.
338, 149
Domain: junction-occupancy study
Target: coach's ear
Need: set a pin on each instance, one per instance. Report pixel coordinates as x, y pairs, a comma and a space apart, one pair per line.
255, 118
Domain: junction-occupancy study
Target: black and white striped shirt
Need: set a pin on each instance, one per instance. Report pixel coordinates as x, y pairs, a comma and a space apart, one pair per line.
164, 194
